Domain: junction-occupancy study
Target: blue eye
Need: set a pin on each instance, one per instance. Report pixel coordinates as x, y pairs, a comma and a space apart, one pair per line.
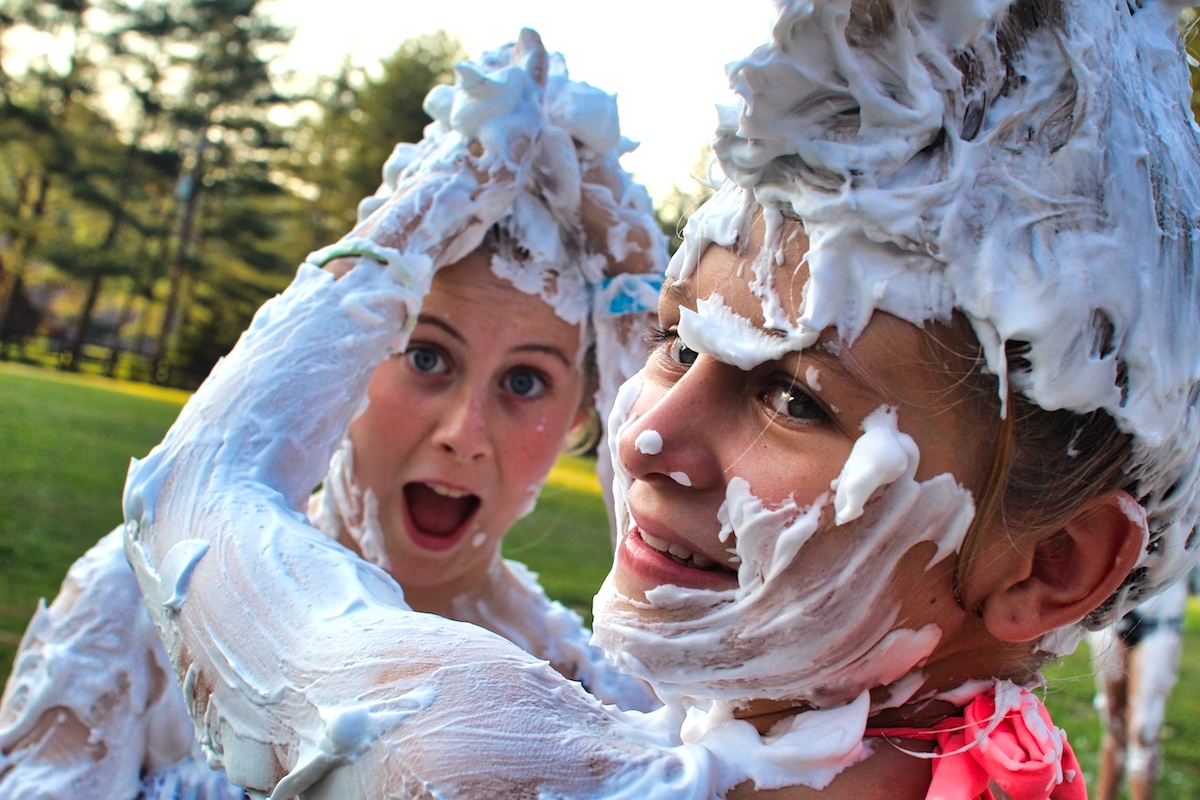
789, 401
426, 359
524, 383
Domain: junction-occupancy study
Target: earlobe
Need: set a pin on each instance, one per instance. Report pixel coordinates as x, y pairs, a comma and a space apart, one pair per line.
1065, 574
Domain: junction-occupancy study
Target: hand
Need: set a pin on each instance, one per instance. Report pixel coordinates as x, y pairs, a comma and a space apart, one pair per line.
441, 196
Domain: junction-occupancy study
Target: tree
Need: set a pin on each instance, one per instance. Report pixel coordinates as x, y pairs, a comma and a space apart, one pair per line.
31, 140
340, 154
673, 211
218, 52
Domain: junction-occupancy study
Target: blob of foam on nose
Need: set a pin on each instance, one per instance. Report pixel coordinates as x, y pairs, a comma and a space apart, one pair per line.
649, 442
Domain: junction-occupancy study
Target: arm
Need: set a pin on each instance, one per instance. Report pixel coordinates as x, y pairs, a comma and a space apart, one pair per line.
300, 663
518, 609
302, 666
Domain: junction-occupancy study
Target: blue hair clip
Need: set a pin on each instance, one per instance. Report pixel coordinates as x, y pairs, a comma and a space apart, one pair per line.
628, 293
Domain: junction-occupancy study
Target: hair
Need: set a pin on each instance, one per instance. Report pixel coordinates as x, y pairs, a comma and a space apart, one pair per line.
1044, 465
992, 145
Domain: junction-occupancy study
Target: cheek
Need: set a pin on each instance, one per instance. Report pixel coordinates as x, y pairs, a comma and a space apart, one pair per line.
533, 445
528, 445
385, 432
792, 471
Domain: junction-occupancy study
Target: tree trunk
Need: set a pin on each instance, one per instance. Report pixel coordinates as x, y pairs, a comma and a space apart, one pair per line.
23, 248
85, 320
115, 349
191, 193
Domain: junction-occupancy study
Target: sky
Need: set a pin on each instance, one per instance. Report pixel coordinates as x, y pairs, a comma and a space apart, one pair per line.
663, 60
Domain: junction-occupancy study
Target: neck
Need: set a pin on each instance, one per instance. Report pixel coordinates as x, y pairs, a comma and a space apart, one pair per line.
455, 598
949, 681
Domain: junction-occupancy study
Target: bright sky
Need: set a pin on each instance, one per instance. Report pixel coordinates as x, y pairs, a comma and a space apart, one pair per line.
664, 60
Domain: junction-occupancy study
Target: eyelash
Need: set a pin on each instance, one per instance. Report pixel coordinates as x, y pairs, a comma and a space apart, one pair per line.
658, 337
540, 390
411, 354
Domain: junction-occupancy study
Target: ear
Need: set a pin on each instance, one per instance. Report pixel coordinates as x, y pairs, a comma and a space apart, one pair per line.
1059, 576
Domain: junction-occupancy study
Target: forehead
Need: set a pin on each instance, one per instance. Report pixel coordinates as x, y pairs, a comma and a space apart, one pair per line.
747, 274
470, 296
891, 357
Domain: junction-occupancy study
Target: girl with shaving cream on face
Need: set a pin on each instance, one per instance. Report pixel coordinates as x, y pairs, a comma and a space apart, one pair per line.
515, 344
921, 411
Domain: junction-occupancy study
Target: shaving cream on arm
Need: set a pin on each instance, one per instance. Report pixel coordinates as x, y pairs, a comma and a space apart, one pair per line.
302, 666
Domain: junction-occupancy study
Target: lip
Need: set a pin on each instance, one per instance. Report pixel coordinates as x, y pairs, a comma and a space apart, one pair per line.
439, 542
651, 568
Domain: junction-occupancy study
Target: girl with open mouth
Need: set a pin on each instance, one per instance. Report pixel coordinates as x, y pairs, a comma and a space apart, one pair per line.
922, 409
518, 344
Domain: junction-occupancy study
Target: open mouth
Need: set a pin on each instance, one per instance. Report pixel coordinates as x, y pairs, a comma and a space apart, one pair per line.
681, 555
439, 511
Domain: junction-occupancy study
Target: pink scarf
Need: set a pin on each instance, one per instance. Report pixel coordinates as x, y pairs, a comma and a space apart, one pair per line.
1004, 735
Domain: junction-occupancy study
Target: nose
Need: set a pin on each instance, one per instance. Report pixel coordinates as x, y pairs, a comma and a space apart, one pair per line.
673, 440
463, 431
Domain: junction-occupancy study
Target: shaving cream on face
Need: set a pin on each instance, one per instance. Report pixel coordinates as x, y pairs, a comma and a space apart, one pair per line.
814, 617
1050, 197
649, 442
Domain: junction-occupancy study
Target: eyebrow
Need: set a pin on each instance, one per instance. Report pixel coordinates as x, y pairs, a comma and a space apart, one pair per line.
425, 319
533, 347
846, 367
678, 292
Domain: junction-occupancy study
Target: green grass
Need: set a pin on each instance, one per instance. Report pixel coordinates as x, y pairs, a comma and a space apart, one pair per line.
1069, 699
65, 443
565, 540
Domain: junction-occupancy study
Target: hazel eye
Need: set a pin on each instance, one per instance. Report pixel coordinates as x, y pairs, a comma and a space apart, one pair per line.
787, 400
675, 349
427, 360
683, 354
524, 383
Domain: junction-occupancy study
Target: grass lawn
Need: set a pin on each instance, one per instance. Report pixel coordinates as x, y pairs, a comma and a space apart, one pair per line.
66, 441
65, 444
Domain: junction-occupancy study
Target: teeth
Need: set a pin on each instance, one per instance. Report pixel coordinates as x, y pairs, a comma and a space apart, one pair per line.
677, 550
661, 545
446, 491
